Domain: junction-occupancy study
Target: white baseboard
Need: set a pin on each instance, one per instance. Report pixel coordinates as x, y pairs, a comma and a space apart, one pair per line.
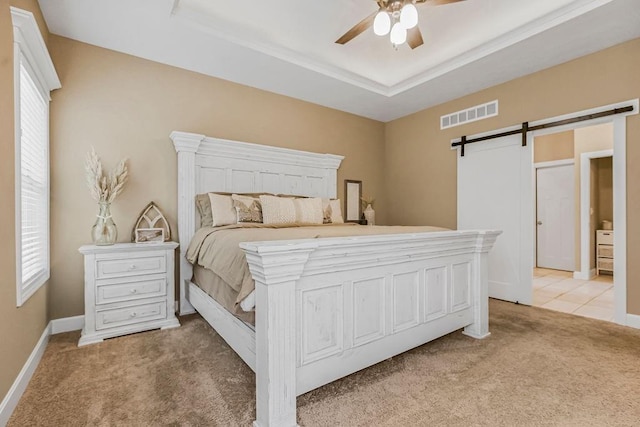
67, 324
584, 276
633, 321
14, 394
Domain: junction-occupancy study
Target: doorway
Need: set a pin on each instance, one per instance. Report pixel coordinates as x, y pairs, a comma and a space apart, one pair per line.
596, 212
569, 204
520, 248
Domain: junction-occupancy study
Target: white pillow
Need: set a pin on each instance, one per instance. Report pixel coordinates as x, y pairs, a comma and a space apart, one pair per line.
336, 212
222, 210
309, 211
332, 211
278, 210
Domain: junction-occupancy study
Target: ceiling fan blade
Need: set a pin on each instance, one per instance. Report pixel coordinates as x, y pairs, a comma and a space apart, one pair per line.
437, 2
357, 29
414, 37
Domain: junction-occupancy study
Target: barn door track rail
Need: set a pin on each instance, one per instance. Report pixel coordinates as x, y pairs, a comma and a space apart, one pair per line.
526, 128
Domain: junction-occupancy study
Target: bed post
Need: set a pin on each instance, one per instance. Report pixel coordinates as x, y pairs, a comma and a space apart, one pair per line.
480, 327
186, 145
276, 271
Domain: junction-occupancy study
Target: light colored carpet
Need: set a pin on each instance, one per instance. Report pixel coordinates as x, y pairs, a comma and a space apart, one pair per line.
538, 368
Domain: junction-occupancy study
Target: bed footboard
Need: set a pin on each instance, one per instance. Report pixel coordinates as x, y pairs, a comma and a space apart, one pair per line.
326, 308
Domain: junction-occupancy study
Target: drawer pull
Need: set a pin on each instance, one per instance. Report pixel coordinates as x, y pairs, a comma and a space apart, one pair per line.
134, 290
134, 314
132, 267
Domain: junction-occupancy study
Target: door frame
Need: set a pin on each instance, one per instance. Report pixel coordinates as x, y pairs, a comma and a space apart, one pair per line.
619, 122
536, 166
586, 272
619, 191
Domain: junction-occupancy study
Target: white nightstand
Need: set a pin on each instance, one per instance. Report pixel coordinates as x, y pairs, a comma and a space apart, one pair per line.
128, 287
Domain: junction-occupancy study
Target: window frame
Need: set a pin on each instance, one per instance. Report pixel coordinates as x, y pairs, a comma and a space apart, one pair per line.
31, 52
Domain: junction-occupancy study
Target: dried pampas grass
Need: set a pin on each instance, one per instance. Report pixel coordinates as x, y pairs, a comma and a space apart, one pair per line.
367, 200
105, 188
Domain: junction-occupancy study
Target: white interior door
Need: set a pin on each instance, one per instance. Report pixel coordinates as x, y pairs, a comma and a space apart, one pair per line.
495, 191
555, 195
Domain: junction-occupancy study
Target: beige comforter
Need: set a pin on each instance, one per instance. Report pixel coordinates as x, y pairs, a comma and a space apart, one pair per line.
217, 248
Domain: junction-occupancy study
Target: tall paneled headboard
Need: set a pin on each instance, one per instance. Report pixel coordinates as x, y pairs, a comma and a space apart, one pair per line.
208, 164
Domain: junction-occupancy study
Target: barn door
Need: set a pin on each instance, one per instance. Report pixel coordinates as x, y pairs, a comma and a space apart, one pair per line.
495, 191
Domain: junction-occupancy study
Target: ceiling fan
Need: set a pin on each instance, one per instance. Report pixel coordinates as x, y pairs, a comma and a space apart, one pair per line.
399, 18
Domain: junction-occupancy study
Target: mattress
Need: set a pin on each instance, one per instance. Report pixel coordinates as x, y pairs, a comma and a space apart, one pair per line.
220, 263
214, 286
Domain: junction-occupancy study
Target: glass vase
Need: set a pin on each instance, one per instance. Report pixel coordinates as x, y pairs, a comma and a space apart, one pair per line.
104, 231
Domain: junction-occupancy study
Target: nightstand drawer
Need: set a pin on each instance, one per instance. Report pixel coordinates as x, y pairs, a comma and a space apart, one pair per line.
129, 315
148, 263
130, 290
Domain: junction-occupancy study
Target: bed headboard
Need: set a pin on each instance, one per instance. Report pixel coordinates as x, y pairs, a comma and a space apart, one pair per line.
208, 164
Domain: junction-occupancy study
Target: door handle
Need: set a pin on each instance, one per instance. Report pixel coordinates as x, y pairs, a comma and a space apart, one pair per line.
539, 222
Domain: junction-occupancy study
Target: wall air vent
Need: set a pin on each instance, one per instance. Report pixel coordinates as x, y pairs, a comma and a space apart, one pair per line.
473, 114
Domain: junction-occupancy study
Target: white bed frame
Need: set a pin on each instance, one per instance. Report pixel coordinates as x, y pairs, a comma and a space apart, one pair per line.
326, 308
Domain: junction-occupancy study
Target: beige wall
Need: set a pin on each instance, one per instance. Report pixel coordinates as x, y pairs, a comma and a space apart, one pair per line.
20, 328
555, 146
126, 107
420, 168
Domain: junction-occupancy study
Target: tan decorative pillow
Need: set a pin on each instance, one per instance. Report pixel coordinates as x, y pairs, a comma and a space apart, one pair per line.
309, 211
277, 210
248, 209
222, 210
203, 205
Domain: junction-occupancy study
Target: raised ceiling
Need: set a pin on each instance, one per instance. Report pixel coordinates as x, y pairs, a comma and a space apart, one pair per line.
287, 46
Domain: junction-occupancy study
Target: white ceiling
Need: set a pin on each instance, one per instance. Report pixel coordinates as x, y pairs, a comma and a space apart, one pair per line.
287, 46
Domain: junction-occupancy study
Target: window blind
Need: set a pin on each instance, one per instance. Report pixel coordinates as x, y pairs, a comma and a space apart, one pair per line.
34, 181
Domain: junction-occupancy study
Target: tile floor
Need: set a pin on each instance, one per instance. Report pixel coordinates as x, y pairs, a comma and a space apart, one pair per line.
559, 291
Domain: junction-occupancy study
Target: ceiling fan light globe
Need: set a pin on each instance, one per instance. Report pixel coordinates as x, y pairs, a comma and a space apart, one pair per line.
398, 34
382, 24
409, 16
